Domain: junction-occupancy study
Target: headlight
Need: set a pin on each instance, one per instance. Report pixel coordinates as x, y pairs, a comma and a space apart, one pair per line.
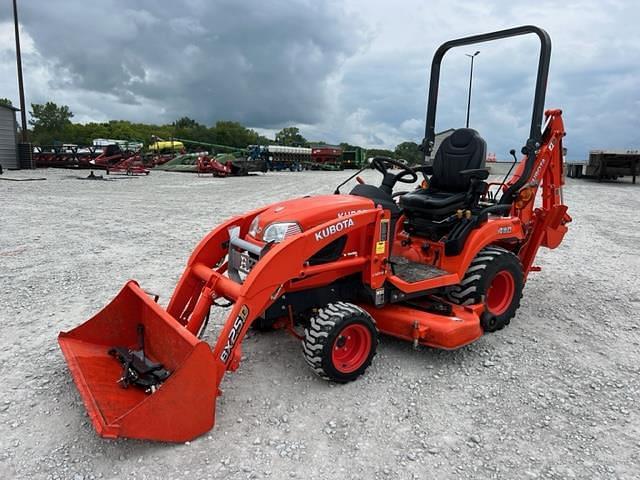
253, 228
277, 232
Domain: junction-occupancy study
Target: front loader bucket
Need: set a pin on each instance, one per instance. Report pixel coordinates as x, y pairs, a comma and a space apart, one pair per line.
180, 409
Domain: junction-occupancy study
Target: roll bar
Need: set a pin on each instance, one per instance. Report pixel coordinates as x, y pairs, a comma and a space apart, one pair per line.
535, 133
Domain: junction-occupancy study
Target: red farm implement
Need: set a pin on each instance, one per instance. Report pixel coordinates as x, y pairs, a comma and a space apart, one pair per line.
207, 165
115, 160
66, 156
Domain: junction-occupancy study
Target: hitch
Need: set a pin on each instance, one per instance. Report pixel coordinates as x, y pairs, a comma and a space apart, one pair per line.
137, 369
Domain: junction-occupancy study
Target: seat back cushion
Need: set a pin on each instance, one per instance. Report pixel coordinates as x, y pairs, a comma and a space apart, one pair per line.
464, 149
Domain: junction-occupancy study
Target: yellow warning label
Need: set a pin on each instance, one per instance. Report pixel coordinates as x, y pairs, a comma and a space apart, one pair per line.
380, 247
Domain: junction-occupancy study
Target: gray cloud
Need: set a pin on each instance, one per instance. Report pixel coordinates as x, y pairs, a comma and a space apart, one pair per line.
353, 70
593, 78
261, 63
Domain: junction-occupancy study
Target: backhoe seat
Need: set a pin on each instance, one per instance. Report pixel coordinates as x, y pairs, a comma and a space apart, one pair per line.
448, 189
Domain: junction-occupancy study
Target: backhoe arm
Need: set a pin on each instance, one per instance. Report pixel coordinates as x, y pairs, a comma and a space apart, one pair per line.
545, 225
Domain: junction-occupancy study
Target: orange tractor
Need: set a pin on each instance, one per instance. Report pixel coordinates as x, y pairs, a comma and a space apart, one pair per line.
438, 266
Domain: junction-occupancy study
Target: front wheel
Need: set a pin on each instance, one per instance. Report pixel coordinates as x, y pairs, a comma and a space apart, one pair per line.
495, 276
340, 342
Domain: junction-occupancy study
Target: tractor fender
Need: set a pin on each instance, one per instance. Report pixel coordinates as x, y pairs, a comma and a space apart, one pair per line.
495, 230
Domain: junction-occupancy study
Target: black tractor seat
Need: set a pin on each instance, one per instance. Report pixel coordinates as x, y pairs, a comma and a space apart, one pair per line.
455, 183
431, 203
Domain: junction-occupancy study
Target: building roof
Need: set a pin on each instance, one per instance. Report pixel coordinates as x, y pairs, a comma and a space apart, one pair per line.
10, 107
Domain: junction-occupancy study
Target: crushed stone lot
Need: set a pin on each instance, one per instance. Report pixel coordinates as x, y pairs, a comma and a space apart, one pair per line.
554, 395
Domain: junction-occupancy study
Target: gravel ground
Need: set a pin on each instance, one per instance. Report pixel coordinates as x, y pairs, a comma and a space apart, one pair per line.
554, 395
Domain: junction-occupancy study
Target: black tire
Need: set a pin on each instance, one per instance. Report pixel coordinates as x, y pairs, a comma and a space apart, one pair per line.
324, 333
492, 267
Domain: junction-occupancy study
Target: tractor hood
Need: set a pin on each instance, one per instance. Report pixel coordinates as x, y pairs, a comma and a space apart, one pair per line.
309, 212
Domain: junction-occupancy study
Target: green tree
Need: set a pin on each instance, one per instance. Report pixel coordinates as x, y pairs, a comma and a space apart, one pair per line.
409, 151
188, 129
348, 147
234, 134
6, 102
290, 136
380, 152
186, 122
50, 122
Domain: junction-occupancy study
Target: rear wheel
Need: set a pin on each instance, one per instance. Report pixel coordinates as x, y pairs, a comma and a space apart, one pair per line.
495, 276
340, 342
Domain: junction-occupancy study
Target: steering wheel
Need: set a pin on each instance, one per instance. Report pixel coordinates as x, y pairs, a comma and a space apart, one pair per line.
407, 175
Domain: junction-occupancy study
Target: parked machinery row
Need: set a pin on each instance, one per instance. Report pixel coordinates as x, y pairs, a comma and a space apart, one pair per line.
118, 155
281, 157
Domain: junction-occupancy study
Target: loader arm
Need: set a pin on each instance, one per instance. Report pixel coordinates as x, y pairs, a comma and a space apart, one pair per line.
135, 326
202, 282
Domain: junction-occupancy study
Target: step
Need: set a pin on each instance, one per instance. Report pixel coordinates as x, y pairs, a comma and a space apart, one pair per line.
413, 272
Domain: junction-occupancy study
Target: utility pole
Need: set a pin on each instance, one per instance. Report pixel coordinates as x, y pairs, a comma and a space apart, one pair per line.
23, 107
470, 81
25, 150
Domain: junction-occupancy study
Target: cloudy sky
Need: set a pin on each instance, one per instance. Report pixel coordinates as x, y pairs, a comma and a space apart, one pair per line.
353, 70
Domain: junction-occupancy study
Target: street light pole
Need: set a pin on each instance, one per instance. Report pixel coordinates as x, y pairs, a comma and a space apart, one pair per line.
470, 80
23, 109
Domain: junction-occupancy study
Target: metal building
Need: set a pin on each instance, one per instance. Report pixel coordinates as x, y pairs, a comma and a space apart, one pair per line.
8, 133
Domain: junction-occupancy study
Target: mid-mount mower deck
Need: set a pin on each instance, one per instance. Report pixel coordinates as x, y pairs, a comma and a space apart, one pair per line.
438, 266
